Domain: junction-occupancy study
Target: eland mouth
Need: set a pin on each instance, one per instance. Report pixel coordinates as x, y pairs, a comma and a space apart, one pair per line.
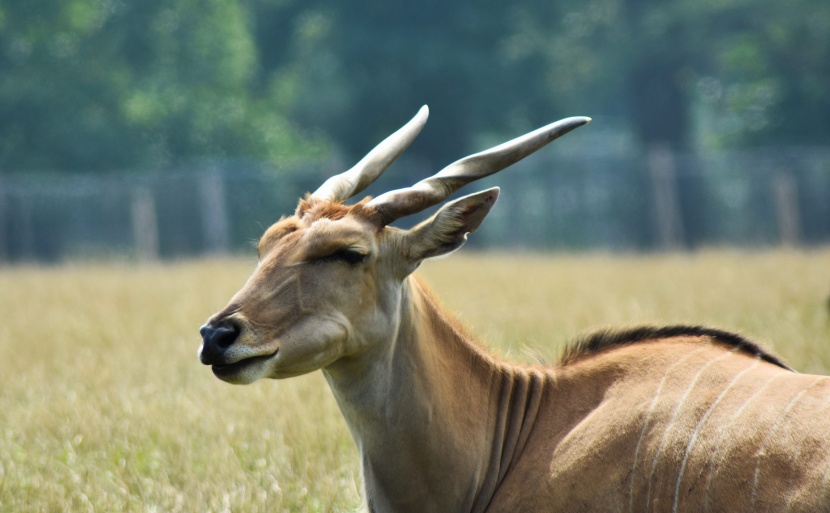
228, 370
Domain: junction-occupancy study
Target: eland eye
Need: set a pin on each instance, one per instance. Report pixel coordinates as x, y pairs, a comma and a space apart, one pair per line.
349, 256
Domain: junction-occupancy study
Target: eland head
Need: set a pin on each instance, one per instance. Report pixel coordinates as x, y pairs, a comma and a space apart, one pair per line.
327, 284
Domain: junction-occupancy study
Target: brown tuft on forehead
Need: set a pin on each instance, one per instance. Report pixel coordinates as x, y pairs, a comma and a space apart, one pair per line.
276, 232
311, 209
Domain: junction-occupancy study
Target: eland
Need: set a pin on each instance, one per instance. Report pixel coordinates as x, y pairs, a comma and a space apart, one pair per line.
675, 418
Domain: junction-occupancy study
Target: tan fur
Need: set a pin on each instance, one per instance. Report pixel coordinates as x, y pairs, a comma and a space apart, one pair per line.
651, 419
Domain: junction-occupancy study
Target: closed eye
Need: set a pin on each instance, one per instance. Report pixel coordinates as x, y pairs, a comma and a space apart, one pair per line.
349, 256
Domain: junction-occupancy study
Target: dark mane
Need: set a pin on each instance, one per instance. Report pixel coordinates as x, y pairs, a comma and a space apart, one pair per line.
600, 341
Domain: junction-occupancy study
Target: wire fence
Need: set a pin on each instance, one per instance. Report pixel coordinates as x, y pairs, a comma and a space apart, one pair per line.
625, 201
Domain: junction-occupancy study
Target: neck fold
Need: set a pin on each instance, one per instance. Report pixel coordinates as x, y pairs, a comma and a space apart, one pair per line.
437, 421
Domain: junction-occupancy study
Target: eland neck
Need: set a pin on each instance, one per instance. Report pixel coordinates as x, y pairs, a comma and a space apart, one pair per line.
437, 421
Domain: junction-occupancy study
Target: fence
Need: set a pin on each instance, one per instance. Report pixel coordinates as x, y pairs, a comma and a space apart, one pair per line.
660, 200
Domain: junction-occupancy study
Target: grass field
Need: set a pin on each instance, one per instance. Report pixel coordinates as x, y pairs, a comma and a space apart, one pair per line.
105, 407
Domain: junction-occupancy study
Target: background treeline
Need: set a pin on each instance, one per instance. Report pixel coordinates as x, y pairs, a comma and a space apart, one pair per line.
114, 85
121, 89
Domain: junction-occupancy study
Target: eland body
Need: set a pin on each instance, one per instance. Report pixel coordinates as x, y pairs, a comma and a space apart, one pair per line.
677, 418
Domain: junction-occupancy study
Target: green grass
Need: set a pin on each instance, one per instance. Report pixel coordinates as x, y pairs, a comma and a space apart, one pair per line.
104, 406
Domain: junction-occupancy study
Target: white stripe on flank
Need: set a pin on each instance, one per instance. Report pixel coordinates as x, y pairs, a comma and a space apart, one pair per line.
675, 413
772, 430
646, 422
825, 479
724, 429
705, 416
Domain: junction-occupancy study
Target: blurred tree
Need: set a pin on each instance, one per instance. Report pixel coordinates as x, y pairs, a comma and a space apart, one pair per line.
103, 84
768, 82
758, 69
363, 68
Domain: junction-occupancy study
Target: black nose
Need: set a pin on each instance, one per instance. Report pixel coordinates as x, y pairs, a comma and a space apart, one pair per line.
215, 340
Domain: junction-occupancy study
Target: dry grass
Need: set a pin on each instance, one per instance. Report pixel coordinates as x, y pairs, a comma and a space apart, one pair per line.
104, 406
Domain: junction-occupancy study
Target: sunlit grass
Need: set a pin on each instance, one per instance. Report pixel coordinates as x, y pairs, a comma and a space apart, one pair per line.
104, 406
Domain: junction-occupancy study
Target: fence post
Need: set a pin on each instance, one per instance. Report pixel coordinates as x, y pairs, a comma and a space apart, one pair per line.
785, 193
662, 170
4, 229
145, 224
215, 225
25, 225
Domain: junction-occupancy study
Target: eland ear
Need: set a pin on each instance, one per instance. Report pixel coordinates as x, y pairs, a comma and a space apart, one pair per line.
447, 230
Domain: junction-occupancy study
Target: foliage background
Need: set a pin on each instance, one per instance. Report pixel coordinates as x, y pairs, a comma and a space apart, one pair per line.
107, 85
